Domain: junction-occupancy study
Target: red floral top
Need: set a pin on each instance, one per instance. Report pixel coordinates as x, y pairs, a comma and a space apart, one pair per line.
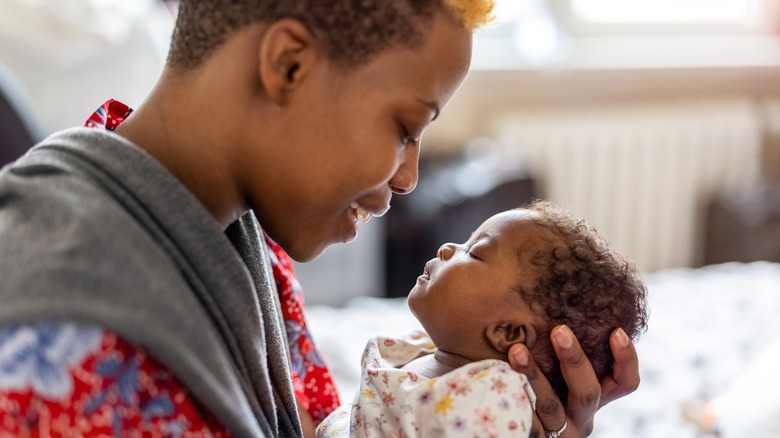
71, 380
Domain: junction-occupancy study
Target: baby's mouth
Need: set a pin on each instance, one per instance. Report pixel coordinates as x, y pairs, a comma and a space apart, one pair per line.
427, 271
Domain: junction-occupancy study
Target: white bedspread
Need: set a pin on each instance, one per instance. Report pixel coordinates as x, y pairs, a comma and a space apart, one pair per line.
705, 325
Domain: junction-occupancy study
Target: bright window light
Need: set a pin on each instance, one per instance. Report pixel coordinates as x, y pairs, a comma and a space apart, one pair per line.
660, 11
512, 10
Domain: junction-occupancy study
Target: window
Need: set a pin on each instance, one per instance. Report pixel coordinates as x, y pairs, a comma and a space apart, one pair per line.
666, 16
631, 34
663, 11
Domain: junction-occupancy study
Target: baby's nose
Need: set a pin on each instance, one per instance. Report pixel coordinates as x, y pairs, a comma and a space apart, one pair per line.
446, 251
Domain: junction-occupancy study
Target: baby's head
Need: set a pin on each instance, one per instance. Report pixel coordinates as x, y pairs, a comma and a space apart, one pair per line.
520, 274
351, 30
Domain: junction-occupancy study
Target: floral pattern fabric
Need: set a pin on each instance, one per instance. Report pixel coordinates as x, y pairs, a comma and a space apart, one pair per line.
69, 380
109, 115
312, 381
485, 398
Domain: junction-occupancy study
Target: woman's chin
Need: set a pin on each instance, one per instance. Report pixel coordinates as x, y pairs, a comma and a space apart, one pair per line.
303, 252
310, 247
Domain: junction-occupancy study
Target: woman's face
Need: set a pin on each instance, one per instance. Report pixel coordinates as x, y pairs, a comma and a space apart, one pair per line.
351, 138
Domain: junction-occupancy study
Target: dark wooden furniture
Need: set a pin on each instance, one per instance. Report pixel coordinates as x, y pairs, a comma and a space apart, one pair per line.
744, 226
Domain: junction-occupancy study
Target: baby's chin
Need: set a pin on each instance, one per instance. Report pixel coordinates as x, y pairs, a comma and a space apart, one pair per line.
412, 293
413, 300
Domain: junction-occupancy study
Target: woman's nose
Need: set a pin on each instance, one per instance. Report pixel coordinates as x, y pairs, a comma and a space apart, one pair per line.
405, 179
446, 251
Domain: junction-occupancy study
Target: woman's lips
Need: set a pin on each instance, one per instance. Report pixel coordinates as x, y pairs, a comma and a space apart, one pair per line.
362, 214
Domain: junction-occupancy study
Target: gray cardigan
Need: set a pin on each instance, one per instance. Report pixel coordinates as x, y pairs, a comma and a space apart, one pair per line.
94, 230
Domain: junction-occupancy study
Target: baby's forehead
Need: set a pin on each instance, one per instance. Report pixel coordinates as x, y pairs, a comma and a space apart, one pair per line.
520, 230
517, 222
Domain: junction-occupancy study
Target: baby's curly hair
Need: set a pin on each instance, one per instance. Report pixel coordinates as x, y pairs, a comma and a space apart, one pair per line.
587, 285
351, 30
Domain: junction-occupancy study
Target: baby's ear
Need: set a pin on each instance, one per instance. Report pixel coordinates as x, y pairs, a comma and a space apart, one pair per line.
502, 335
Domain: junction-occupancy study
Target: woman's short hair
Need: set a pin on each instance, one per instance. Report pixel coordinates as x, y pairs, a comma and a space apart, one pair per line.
350, 30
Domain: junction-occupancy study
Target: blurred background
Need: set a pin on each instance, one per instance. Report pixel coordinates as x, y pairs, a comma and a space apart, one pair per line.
657, 120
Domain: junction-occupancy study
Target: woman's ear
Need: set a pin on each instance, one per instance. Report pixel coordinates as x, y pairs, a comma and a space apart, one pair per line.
287, 53
502, 335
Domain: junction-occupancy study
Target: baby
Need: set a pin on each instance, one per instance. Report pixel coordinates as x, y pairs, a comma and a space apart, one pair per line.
522, 273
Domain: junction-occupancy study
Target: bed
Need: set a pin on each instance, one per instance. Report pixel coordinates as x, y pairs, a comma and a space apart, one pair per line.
705, 326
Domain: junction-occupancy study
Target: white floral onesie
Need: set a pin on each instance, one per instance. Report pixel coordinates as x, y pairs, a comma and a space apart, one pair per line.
485, 398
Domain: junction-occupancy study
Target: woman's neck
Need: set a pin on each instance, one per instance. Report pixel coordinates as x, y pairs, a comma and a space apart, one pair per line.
178, 134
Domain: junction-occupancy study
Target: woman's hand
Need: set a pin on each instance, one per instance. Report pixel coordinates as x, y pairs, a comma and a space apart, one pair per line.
586, 393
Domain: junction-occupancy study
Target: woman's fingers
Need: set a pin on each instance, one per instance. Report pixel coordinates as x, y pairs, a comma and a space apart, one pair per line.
550, 414
584, 387
586, 393
537, 431
624, 378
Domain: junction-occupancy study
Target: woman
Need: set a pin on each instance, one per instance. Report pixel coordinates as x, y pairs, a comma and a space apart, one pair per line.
300, 116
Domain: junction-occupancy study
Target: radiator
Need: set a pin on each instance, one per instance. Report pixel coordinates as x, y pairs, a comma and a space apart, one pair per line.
641, 174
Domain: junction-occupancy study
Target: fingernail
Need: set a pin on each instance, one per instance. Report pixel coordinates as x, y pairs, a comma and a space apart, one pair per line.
621, 337
563, 336
521, 357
